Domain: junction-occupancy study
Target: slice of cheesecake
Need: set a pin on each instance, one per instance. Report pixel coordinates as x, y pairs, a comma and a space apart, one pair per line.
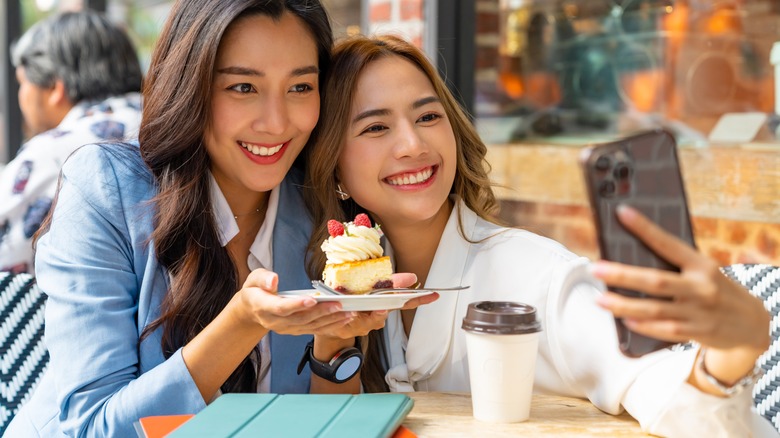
359, 277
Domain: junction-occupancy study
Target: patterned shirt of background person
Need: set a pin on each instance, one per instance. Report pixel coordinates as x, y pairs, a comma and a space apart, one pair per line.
79, 82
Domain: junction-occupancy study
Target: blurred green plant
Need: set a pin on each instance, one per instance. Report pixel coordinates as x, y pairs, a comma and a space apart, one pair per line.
143, 26
142, 21
31, 14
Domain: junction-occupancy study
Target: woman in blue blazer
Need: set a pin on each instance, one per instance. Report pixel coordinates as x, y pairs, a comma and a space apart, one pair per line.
161, 259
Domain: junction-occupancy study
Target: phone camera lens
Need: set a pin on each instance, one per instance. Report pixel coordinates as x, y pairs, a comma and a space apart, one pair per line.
622, 171
607, 188
602, 163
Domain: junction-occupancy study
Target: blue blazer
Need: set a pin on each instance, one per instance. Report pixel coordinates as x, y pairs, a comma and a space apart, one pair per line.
105, 285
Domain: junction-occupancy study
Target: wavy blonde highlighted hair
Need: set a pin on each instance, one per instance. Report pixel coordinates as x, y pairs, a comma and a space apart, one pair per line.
351, 56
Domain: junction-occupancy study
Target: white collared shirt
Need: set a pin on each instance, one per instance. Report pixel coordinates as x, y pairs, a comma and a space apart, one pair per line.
260, 256
578, 352
28, 183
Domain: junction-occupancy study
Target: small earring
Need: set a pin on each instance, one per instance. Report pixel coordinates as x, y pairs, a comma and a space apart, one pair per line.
342, 194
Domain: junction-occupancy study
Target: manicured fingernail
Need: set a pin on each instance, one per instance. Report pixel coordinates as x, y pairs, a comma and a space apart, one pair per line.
309, 302
603, 300
269, 282
598, 269
624, 211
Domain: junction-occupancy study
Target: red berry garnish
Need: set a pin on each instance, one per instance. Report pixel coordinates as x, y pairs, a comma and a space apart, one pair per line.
335, 228
362, 219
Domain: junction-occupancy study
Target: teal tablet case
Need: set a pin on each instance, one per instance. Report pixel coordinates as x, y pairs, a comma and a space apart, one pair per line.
299, 416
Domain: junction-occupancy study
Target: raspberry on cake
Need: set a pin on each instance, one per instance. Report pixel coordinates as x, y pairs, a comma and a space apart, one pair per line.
355, 263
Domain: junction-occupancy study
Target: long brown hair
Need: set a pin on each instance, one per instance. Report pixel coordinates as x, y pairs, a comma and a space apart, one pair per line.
177, 106
472, 185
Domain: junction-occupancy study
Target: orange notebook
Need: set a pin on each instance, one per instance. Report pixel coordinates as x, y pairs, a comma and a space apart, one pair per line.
160, 425
403, 432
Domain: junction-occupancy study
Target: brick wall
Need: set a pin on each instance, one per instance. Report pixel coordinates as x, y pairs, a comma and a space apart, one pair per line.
726, 241
487, 57
399, 17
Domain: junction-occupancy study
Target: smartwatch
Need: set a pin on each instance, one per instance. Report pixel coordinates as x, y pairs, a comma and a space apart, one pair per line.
342, 367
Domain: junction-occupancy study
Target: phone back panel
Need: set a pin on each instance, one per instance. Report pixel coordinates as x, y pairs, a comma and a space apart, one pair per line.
641, 171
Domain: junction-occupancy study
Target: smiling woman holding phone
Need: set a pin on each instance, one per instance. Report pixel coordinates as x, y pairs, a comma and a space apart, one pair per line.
409, 157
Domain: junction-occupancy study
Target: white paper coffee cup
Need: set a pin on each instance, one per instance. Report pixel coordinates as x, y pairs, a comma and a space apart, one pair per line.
502, 342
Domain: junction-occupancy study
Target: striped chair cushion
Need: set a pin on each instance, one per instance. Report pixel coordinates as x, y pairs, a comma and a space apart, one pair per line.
24, 356
763, 281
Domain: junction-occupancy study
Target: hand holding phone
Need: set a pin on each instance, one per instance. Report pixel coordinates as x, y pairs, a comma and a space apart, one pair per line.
641, 171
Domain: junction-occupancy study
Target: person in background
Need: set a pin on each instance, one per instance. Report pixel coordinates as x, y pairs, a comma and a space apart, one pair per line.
79, 82
161, 259
408, 155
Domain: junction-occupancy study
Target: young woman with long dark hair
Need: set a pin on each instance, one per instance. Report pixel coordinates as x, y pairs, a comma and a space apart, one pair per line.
161, 261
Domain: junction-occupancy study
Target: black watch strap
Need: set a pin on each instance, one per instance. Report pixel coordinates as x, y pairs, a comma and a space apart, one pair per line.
342, 367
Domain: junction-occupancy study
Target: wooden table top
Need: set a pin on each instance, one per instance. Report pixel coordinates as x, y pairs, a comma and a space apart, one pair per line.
437, 414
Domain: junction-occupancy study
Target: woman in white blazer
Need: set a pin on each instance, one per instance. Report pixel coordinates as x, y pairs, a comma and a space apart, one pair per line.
394, 138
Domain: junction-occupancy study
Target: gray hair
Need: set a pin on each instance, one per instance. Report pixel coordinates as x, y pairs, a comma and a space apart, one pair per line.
94, 58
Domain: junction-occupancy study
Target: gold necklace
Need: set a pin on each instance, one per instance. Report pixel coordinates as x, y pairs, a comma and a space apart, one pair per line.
236, 216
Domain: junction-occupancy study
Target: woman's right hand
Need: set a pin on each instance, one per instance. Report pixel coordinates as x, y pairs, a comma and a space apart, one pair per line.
260, 304
703, 304
251, 313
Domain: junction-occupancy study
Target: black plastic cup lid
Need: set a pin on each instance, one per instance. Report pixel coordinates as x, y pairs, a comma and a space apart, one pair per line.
501, 318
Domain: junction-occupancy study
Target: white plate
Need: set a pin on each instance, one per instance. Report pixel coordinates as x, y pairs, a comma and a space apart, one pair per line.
359, 303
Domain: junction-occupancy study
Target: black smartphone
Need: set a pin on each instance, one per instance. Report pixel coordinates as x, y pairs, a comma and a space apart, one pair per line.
641, 171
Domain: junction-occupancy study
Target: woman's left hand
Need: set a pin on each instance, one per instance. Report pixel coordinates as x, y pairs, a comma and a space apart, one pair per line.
364, 322
407, 280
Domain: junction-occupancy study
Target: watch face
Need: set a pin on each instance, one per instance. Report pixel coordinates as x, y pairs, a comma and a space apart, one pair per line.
348, 368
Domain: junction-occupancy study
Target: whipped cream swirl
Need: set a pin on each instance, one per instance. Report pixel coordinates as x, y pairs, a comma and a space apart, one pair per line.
356, 244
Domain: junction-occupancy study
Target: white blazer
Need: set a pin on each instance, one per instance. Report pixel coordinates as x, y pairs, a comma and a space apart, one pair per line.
578, 348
